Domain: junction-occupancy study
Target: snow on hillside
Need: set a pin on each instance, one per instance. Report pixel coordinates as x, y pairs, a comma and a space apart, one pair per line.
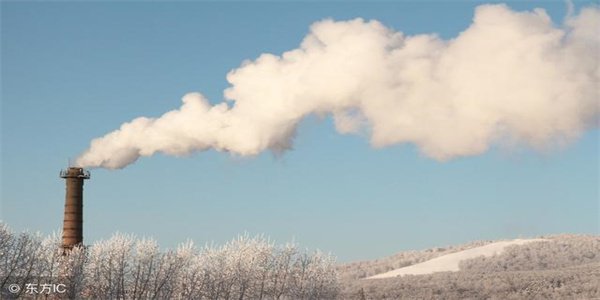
450, 262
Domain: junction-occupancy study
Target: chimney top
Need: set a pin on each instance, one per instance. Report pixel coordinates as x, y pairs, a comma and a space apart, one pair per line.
74, 172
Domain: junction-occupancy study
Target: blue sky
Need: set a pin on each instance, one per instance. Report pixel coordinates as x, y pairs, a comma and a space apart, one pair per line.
75, 71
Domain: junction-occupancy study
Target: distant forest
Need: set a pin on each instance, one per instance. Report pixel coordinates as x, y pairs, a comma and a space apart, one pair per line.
565, 267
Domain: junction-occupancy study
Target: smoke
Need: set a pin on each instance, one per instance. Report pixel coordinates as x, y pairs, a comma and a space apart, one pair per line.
511, 78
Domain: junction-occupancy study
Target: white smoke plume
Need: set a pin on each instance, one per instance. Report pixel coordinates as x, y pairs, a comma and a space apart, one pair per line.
509, 78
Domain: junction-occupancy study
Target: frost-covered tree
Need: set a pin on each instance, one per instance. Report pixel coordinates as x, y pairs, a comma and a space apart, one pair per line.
109, 267
124, 267
20, 257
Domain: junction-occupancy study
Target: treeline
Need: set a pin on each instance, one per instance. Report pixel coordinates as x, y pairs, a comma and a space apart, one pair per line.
124, 267
564, 267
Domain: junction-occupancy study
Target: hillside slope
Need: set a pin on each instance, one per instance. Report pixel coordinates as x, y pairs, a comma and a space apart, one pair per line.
450, 262
363, 269
560, 267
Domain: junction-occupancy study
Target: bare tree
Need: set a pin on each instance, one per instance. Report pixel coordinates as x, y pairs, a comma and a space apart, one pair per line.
123, 267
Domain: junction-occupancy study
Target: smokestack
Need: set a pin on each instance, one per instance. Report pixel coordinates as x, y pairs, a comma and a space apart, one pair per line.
73, 221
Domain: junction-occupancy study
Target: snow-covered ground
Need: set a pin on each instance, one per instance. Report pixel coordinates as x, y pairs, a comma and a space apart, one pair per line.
449, 262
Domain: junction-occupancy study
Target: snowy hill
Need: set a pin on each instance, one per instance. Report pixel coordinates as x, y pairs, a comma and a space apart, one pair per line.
565, 266
450, 262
